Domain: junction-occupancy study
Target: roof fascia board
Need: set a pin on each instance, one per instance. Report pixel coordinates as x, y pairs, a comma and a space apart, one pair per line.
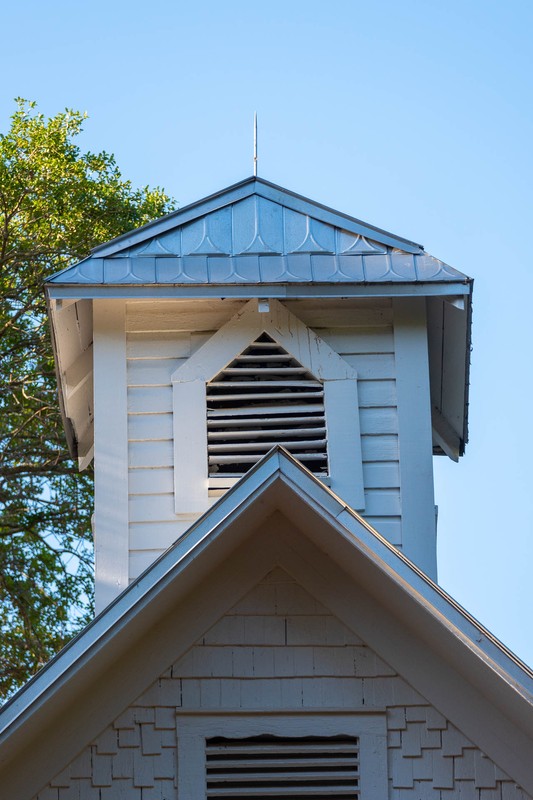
57, 291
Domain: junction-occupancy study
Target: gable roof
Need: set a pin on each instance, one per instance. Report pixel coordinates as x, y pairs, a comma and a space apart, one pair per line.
257, 233
451, 660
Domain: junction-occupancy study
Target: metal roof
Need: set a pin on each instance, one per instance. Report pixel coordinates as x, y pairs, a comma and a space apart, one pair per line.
257, 233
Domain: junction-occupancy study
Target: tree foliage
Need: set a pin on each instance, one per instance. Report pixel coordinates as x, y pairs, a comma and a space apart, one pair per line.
56, 203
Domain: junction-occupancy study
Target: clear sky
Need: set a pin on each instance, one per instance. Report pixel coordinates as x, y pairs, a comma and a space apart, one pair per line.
413, 115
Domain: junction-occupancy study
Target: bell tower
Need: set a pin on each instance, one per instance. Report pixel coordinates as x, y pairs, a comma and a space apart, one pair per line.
253, 318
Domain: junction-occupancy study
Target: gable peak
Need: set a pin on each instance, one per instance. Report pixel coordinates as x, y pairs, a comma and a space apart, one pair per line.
310, 227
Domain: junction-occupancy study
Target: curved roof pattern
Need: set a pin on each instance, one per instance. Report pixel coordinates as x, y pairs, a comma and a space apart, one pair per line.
261, 234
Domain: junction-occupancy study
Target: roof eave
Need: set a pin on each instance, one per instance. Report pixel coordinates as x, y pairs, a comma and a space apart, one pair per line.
64, 290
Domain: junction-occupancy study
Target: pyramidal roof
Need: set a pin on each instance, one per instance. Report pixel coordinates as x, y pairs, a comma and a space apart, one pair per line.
255, 232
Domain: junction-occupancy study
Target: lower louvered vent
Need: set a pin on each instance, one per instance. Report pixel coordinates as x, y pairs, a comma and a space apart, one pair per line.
265, 397
268, 766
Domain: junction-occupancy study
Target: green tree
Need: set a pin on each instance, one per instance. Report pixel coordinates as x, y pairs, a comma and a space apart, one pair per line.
56, 203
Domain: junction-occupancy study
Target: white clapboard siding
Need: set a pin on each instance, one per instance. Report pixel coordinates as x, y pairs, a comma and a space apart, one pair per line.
180, 315
380, 448
372, 366
152, 371
145, 427
159, 344
360, 339
389, 527
378, 420
377, 393
150, 399
379, 474
151, 508
161, 336
159, 535
322, 313
381, 501
139, 560
151, 481
152, 454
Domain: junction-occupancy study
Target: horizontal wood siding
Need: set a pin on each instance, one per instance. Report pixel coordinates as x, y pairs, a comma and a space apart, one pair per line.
160, 337
363, 335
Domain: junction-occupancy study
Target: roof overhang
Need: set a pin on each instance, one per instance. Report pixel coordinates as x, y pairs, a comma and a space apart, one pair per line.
256, 239
455, 663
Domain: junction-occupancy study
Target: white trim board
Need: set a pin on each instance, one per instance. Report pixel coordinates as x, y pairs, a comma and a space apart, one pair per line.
370, 728
111, 451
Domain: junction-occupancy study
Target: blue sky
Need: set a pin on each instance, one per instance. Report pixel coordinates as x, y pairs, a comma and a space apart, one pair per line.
415, 116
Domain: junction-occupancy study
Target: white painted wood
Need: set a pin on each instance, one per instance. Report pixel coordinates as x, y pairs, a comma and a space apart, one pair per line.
358, 339
329, 313
340, 398
283, 327
150, 352
152, 371
453, 366
444, 435
192, 731
158, 535
150, 399
377, 474
79, 371
344, 441
150, 453
151, 508
384, 502
389, 527
414, 424
377, 393
111, 451
180, 315
140, 560
380, 448
378, 420
190, 447
68, 332
372, 366
158, 480
147, 427
157, 344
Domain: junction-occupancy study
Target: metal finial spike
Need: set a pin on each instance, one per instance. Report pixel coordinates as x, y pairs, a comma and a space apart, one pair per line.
255, 144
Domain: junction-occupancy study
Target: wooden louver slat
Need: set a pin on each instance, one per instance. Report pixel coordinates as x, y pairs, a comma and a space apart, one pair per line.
262, 398
268, 766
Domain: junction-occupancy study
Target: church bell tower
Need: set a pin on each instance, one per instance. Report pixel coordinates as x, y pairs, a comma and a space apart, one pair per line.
251, 319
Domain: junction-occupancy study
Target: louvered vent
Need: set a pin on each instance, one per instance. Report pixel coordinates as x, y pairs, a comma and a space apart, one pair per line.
265, 397
268, 766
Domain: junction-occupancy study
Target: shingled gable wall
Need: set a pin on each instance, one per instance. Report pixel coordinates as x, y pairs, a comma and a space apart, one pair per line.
280, 649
